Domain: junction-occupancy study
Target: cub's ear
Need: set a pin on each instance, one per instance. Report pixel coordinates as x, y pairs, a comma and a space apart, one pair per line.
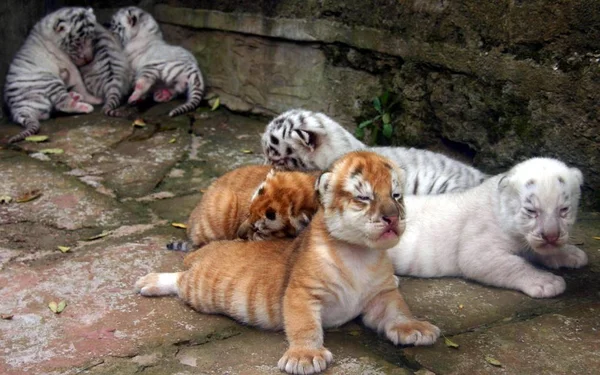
131, 19
577, 175
60, 26
90, 13
305, 138
322, 183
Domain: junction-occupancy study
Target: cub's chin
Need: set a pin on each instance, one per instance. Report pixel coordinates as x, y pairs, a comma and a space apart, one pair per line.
385, 239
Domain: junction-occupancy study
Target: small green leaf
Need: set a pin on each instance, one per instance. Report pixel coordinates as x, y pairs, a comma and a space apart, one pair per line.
53, 306
451, 344
173, 140
364, 124
246, 151
64, 249
493, 361
52, 151
377, 104
36, 138
61, 306
103, 234
385, 97
386, 118
387, 130
359, 133
216, 104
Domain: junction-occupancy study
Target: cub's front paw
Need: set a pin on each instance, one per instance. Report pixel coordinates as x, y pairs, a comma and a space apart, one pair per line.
413, 332
545, 285
568, 256
305, 360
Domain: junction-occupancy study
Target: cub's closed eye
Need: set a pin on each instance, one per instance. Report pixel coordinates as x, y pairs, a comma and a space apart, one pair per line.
270, 214
531, 212
564, 210
363, 198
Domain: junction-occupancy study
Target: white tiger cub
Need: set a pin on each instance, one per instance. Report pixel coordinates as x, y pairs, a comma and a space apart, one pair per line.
305, 140
45, 68
163, 69
488, 233
108, 75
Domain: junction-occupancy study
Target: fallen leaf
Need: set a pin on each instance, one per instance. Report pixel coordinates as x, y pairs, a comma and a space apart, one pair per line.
216, 104
61, 306
28, 196
139, 123
179, 225
53, 306
245, 151
203, 191
6, 316
52, 151
36, 138
5, 199
596, 238
461, 307
103, 234
173, 140
64, 249
451, 344
493, 361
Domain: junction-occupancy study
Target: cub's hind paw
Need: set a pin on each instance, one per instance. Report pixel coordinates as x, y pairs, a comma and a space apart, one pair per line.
545, 286
305, 360
413, 332
157, 284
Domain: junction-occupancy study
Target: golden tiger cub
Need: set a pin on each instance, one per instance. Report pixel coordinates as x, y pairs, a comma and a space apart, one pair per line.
334, 271
253, 202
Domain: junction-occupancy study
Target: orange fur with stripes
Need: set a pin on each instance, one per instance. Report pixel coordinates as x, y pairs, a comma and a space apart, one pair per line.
253, 202
336, 270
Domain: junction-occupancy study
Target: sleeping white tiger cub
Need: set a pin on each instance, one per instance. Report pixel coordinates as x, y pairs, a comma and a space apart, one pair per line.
160, 68
305, 140
489, 232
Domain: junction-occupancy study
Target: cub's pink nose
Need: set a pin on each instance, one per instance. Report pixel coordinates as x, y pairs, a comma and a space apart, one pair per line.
550, 237
390, 220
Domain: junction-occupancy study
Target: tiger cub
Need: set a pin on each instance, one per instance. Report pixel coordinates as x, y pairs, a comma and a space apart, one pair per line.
251, 202
336, 270
489, 233
45, 68
161, 68
305, 140
108, 75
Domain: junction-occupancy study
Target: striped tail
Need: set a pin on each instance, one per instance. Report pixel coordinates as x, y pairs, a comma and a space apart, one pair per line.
31, 125
184, 246
194, 95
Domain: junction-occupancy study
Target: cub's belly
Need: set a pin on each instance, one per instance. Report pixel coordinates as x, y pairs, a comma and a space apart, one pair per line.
337, 311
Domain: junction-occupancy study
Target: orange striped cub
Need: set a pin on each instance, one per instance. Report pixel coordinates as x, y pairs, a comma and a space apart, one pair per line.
336, 270
252, 202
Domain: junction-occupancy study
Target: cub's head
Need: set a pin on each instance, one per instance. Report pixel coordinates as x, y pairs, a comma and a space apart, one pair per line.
131, 23
294, 140
73, 29
362, 198
281, 206
539, 199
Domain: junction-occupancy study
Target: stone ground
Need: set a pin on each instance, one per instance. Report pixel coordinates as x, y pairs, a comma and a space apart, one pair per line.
133, 183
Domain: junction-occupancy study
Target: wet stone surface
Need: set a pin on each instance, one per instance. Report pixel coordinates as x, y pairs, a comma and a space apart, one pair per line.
131, 183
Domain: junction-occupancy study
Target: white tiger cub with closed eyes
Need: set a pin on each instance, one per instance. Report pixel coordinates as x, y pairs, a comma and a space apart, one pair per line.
305, 140
489, 233
161, 68
45, 67
108, 75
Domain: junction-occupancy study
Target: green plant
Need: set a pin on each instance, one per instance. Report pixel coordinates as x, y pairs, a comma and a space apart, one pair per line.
382, 122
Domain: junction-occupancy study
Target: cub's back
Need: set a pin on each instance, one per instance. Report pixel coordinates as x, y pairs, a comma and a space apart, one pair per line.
225, 204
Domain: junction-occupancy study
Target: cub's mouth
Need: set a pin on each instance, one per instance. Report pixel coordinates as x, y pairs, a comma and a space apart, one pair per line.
389, 232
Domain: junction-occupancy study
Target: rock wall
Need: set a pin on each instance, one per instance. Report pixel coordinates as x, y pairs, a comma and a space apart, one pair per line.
494, 81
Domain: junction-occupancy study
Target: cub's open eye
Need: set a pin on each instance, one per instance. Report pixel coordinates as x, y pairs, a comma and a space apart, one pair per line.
396, 195
564, 211
531, 212
270, 214
362, 198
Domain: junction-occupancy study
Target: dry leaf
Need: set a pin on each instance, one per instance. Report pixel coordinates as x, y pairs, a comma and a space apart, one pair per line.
61, 306
52, 151
6, 316
216, 104
493, 361
451, 344
103, 234
139, 123
173, 140
64, 249
596, 238
28, 196
53, 306
179, 225
203, 191
245, 151
461, 307
5, 199
36, 138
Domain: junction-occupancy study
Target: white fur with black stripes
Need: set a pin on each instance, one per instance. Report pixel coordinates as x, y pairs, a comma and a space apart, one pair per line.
163, 69
108, 75
45, 68
491, 232
305, 140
